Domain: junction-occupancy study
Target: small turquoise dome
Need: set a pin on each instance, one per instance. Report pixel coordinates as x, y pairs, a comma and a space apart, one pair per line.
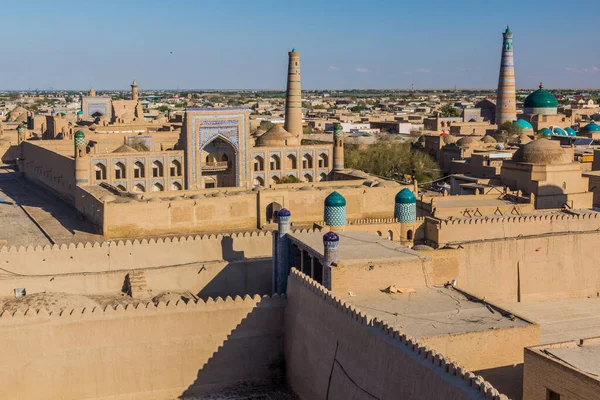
521, 123
79, 112
405, 196
294, 50
559, 131
591, 127
546, 132
335, 200
570, 131
79, 135
541, 99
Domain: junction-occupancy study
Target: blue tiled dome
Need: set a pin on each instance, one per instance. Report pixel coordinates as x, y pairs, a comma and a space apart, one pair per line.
331, 237
591, 127
546, 132
559, 131
570, 131
284, 212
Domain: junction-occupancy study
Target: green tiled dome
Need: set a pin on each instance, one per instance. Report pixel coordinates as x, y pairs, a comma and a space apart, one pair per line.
546, 132
405, 196
591, 127
541, 99
570, 131
521, 123
335, 200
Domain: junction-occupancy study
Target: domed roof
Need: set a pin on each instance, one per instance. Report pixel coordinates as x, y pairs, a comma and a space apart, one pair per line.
542, 151
591, 127
521, 123
570, 131
79, 135
488, 139
559, 131
541, 99
79, 112
277, 136
335, 200
524, 139
546, 132
284, 212
405, 196
466, 142
331, 237
450, 139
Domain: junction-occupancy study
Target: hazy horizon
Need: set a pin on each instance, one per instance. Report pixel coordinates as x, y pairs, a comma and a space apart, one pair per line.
346, 45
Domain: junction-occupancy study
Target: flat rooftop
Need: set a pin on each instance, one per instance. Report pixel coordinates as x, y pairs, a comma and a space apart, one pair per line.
433, 311
357, 248
561, 320
585, 357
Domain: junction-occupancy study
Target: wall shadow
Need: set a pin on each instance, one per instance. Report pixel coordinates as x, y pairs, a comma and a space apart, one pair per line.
25, 193
250, 360
508, 379
239, 278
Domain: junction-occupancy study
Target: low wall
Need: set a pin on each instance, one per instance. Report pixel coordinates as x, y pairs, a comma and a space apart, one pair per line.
334, 351
128, 255
50, 170
206, 279
162, 351
468, 230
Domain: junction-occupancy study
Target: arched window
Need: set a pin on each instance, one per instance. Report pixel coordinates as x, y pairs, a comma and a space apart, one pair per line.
120, 171
308, 177
224, 157
275, 162
157, 169
175, 168
291, 162
307, 161
210, 159
100, 171
138, 170
121, 188
258, 181
275, 179
409, 235
323, 160
157, 187
139, 188
379, 233
390, 235
323, 177
259, 164
176, 186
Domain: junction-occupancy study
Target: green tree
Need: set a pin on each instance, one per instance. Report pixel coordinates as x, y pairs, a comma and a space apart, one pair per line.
448, 111
289, 179
392, 160
506, 130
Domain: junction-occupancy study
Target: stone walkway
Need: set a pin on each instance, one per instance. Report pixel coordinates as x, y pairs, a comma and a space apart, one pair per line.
247, 393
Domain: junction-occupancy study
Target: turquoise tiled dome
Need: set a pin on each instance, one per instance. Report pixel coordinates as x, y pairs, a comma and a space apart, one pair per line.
335, 210
570, 131
521, 123
546, 132
405, 207
591, 127
559, 131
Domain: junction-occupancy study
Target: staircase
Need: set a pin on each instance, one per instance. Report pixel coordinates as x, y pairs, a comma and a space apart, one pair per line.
136, 285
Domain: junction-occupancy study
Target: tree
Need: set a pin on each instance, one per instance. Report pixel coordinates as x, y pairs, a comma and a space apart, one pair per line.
289, 179
506, 130
449, 111
139, 145
390, 159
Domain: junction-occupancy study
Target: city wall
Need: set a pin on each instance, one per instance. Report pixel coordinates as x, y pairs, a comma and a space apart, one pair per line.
129, 255
334, 351
163, 351
457, 231
533, 268
49, 169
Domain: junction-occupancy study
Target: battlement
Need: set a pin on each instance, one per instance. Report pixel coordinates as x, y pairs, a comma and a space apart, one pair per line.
442, 364
371, 221
521, 219
142, 308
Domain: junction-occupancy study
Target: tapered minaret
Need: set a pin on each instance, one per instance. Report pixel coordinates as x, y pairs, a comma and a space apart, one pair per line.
506, 102
134, 91
293, 96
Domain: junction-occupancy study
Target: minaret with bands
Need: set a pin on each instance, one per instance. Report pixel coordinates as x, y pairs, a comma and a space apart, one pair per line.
506, 102
293, 96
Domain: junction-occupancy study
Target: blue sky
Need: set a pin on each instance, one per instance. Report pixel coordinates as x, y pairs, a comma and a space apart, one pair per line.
224, 44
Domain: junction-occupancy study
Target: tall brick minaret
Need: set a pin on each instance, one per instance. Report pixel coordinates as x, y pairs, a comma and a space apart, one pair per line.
293, 96
506, 102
